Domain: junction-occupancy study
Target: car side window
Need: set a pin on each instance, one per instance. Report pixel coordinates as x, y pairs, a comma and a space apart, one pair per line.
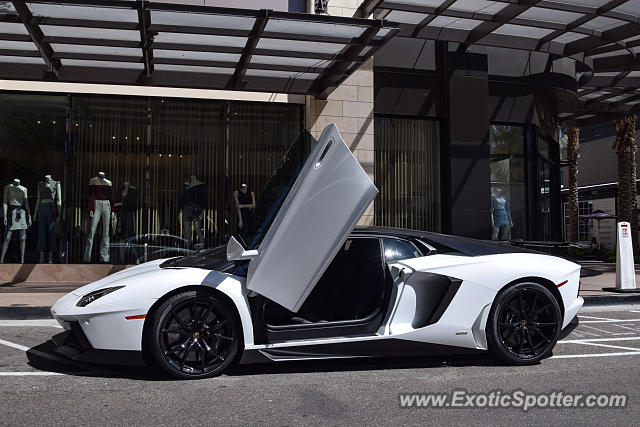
396, 250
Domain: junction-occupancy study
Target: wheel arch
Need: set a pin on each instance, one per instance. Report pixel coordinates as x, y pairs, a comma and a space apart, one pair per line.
541, 281
198, 288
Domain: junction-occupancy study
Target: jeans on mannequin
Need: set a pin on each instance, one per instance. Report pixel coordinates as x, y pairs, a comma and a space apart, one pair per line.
46, 227
102, 209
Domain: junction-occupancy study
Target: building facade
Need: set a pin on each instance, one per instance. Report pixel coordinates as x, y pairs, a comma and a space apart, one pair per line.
460, 140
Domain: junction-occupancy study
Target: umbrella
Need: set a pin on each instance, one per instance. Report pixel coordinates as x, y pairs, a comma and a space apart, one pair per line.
598, 215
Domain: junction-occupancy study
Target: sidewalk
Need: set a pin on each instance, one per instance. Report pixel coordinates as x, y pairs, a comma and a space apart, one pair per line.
27, 299
596, 275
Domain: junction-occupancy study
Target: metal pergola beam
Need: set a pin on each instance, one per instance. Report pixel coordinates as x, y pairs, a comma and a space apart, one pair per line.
581, 21
501, 18
237, 80
613, 35
178, 61
146, 41
23, 12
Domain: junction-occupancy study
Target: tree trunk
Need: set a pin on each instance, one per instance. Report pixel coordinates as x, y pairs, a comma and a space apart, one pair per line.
573, 154
625, 146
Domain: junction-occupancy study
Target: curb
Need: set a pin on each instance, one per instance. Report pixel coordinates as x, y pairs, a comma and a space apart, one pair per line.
620, 299
25, 313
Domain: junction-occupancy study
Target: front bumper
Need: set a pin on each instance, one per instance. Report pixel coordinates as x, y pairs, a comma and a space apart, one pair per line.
104, 326
73, 343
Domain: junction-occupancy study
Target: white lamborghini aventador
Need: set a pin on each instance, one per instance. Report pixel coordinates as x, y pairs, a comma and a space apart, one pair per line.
302, 283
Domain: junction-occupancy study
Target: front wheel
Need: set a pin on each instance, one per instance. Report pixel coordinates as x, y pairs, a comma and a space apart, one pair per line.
524, 324
194, 335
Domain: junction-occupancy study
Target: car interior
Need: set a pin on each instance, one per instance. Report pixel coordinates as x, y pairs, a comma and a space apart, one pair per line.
352, 288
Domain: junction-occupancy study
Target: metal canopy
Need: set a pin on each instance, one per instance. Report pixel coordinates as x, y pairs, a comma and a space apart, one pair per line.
160, 44
603, 35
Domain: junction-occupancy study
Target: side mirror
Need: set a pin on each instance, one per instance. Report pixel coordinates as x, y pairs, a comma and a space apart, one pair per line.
237, 252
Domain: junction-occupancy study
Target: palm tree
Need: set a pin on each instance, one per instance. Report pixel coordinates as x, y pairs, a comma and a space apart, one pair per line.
573, 154
625, 146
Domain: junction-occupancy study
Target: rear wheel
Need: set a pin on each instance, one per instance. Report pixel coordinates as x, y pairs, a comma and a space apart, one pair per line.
524, 324
194, 335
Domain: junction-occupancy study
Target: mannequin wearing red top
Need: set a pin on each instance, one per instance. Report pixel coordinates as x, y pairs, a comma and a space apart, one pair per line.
100, 201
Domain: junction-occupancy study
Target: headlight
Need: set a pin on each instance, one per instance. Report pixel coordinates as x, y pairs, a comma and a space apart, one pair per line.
92, 296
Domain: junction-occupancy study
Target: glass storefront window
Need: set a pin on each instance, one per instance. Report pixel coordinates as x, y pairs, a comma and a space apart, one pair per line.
407, 173
32, 147
107, 159
547, 191
259, 135
123, 180
186, 179
508, 191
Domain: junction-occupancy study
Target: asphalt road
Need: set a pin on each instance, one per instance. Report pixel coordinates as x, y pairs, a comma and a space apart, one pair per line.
37, 387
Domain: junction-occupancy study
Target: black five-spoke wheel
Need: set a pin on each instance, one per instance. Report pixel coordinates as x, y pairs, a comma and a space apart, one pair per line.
194, 335
524, 323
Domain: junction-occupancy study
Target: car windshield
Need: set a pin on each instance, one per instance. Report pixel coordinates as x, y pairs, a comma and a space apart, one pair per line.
276, 190
211, 259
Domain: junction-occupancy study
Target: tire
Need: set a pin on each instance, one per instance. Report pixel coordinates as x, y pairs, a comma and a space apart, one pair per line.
194, 335
524, 324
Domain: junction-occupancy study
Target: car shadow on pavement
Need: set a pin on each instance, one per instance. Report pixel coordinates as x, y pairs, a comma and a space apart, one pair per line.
43, 358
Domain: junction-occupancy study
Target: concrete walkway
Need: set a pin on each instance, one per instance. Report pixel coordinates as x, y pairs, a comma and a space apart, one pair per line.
596, 275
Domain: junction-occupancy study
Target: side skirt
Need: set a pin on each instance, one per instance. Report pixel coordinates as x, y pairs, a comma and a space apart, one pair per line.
384, 347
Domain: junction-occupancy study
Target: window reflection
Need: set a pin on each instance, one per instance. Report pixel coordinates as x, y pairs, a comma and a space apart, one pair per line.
508, 214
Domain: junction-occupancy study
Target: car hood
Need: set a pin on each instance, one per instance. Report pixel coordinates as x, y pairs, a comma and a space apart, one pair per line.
116, 278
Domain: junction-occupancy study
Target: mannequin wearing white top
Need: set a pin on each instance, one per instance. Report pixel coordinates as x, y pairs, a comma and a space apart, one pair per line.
245, 202
15, 202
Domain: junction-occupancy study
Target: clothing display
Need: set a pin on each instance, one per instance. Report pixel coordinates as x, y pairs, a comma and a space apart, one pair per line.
18, 216
245, 198
501, 218
192, 204
102, 211
500, 209
100, 201
16, 195
127, 202
47, 213
48, 190
17, 221
193, 201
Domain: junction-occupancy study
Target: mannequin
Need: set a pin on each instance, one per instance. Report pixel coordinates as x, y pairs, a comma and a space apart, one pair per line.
126, 205
192, 205
46, 213
100, 201
245, 203
500, 216
15, 203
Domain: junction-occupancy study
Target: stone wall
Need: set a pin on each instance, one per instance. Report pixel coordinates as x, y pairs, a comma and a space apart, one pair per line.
350, 107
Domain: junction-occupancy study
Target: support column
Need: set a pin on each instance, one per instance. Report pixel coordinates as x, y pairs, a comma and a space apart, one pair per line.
470, 185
